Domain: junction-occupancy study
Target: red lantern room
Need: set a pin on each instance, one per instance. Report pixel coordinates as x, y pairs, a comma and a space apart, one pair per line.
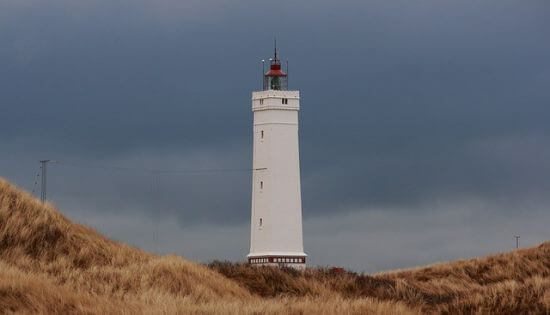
275, 78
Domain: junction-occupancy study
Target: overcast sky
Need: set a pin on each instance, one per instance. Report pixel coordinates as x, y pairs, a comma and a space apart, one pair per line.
424, 125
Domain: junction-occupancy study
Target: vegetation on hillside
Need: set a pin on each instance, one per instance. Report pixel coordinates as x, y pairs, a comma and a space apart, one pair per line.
511, 283
51, 265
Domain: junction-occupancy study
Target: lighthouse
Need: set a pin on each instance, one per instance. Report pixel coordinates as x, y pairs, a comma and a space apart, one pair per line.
276, 221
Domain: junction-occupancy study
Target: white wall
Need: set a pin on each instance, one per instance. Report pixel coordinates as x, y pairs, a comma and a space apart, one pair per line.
276, 163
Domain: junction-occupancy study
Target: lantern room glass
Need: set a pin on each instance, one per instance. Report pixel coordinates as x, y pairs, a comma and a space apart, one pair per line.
279, 82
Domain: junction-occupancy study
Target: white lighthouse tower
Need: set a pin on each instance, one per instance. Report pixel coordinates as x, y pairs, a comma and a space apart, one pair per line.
276, 223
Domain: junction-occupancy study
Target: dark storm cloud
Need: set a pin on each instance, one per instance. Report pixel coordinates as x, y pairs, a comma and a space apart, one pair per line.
404, 104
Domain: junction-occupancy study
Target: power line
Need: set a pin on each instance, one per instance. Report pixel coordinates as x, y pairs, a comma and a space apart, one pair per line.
154, 172
157, 171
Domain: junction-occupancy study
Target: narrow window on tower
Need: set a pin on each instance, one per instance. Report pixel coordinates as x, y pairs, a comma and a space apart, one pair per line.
284, 100
261, 101
262, 134
261, 221
261, 185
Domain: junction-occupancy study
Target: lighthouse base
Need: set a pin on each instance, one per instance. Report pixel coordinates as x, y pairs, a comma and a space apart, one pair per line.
290, 261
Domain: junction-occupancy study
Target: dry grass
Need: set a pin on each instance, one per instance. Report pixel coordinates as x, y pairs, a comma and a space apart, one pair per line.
51, 265
510, 283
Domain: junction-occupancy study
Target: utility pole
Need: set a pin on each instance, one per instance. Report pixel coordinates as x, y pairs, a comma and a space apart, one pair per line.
517, 240
43, 167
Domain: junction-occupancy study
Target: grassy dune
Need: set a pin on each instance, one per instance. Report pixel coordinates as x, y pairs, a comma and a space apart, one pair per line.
511, 283
51, 265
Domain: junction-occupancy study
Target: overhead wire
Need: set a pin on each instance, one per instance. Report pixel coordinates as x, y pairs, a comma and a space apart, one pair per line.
157, 171
155, 182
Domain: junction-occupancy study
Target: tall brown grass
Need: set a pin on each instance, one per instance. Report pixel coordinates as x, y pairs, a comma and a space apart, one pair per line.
51, 265
511, 283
